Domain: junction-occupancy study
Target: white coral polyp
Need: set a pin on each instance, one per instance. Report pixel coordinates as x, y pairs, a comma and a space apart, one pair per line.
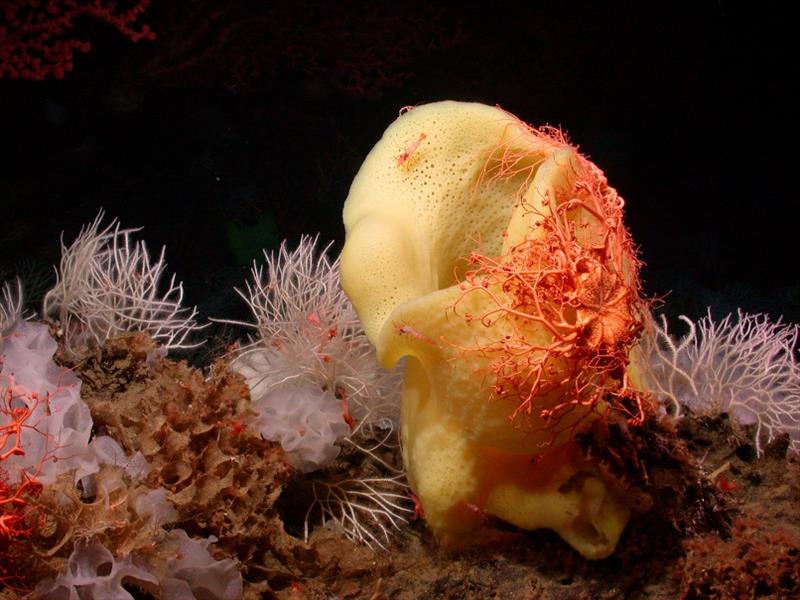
309, 334
306, 420
746, 367
108, 284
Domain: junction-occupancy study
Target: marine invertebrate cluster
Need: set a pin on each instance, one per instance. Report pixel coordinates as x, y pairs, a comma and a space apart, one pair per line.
316, 384
111, 525
494, 257
220, 476
118, 513
71, 499
107, 285
507, 280
745, 366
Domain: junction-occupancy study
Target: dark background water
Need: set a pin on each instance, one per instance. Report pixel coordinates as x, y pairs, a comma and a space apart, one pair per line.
244, 123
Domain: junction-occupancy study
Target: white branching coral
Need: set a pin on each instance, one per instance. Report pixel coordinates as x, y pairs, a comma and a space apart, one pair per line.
315, 381
366, 509
107, 284
10, 304
309, 334
746, 367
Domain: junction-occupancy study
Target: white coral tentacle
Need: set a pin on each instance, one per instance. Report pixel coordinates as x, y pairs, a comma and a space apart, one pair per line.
107, 284
746, 367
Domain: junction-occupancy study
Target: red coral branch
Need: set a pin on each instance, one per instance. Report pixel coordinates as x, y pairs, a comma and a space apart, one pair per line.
38, 39
250, 44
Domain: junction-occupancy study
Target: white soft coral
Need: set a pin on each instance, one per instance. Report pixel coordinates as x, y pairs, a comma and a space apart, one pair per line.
311, 355
108, 284
746, 367
316, 383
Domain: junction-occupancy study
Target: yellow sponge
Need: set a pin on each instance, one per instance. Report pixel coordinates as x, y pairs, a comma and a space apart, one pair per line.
409, 221
446, 179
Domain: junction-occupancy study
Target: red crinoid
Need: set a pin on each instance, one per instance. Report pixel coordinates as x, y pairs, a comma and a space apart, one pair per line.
573, 281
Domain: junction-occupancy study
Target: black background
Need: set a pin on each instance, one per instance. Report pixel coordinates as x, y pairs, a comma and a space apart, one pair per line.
243, 123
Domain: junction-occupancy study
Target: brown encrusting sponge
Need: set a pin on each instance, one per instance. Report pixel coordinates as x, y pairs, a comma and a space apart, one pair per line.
222, 477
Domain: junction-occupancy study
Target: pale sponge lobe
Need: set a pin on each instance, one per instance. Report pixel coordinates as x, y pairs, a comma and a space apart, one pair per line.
306, 420
415, 218
445, 180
